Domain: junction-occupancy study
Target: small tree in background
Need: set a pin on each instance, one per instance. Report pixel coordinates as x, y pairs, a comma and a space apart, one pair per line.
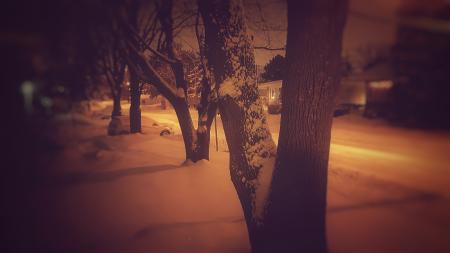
112, 68
274, 69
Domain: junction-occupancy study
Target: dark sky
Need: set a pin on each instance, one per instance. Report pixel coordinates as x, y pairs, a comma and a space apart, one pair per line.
370, 23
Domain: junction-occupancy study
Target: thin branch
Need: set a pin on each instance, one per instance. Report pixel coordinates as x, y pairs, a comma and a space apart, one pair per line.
264, 22
183, 21
155, 78
146, 46
149, 30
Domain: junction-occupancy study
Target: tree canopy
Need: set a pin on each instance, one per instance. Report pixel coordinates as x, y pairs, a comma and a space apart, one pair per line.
274, 69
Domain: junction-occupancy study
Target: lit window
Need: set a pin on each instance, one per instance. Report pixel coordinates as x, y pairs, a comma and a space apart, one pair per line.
387, 84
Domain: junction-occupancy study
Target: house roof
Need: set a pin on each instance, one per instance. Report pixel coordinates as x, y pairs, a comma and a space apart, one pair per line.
377, 72
274, 84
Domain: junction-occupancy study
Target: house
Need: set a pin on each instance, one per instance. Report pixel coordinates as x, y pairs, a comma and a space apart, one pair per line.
270, 93
369, 88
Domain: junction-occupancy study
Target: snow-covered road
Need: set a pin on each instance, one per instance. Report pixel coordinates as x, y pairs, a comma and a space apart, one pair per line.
387, 185
410, 157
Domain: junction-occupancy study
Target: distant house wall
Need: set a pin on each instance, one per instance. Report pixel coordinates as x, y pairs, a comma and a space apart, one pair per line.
379, 98
351, 92
270, 92
421, 59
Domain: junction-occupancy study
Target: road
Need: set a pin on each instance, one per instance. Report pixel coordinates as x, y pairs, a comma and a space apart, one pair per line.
411, 157
389, 186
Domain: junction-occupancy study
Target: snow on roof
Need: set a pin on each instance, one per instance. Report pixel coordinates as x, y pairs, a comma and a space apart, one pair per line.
378, 72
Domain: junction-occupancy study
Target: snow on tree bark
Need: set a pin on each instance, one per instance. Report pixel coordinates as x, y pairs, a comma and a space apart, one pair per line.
283, 193
231, 59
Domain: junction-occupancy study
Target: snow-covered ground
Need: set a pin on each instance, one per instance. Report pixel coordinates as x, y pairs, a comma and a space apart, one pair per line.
389, 190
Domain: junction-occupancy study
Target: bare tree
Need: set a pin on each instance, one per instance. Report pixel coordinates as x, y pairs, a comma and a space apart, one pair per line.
109, 65
282, 192
155, 40
112, 67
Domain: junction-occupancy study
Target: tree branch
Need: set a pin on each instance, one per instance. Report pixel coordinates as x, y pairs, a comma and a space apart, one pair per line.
152, 75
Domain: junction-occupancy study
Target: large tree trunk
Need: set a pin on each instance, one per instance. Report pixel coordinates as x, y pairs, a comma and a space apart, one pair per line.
296, 215
135, 103
252, 150
286, 212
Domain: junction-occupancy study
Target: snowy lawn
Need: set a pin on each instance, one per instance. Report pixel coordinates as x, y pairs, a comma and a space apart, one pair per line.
131, 193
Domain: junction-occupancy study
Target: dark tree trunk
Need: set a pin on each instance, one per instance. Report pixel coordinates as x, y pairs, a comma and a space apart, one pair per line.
135, 103
295, 219
202, 150
206, 113
115, 126
117, 109
196, 142
186, 126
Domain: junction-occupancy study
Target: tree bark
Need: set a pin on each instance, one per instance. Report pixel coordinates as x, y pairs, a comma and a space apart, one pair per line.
284, 203
196, 141
115, 125
135, 103
117, 109
252, 151
295, 219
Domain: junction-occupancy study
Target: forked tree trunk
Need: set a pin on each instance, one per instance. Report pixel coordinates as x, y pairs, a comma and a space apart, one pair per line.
284, 203
207, 110
203, 140
135, 104
196, 141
